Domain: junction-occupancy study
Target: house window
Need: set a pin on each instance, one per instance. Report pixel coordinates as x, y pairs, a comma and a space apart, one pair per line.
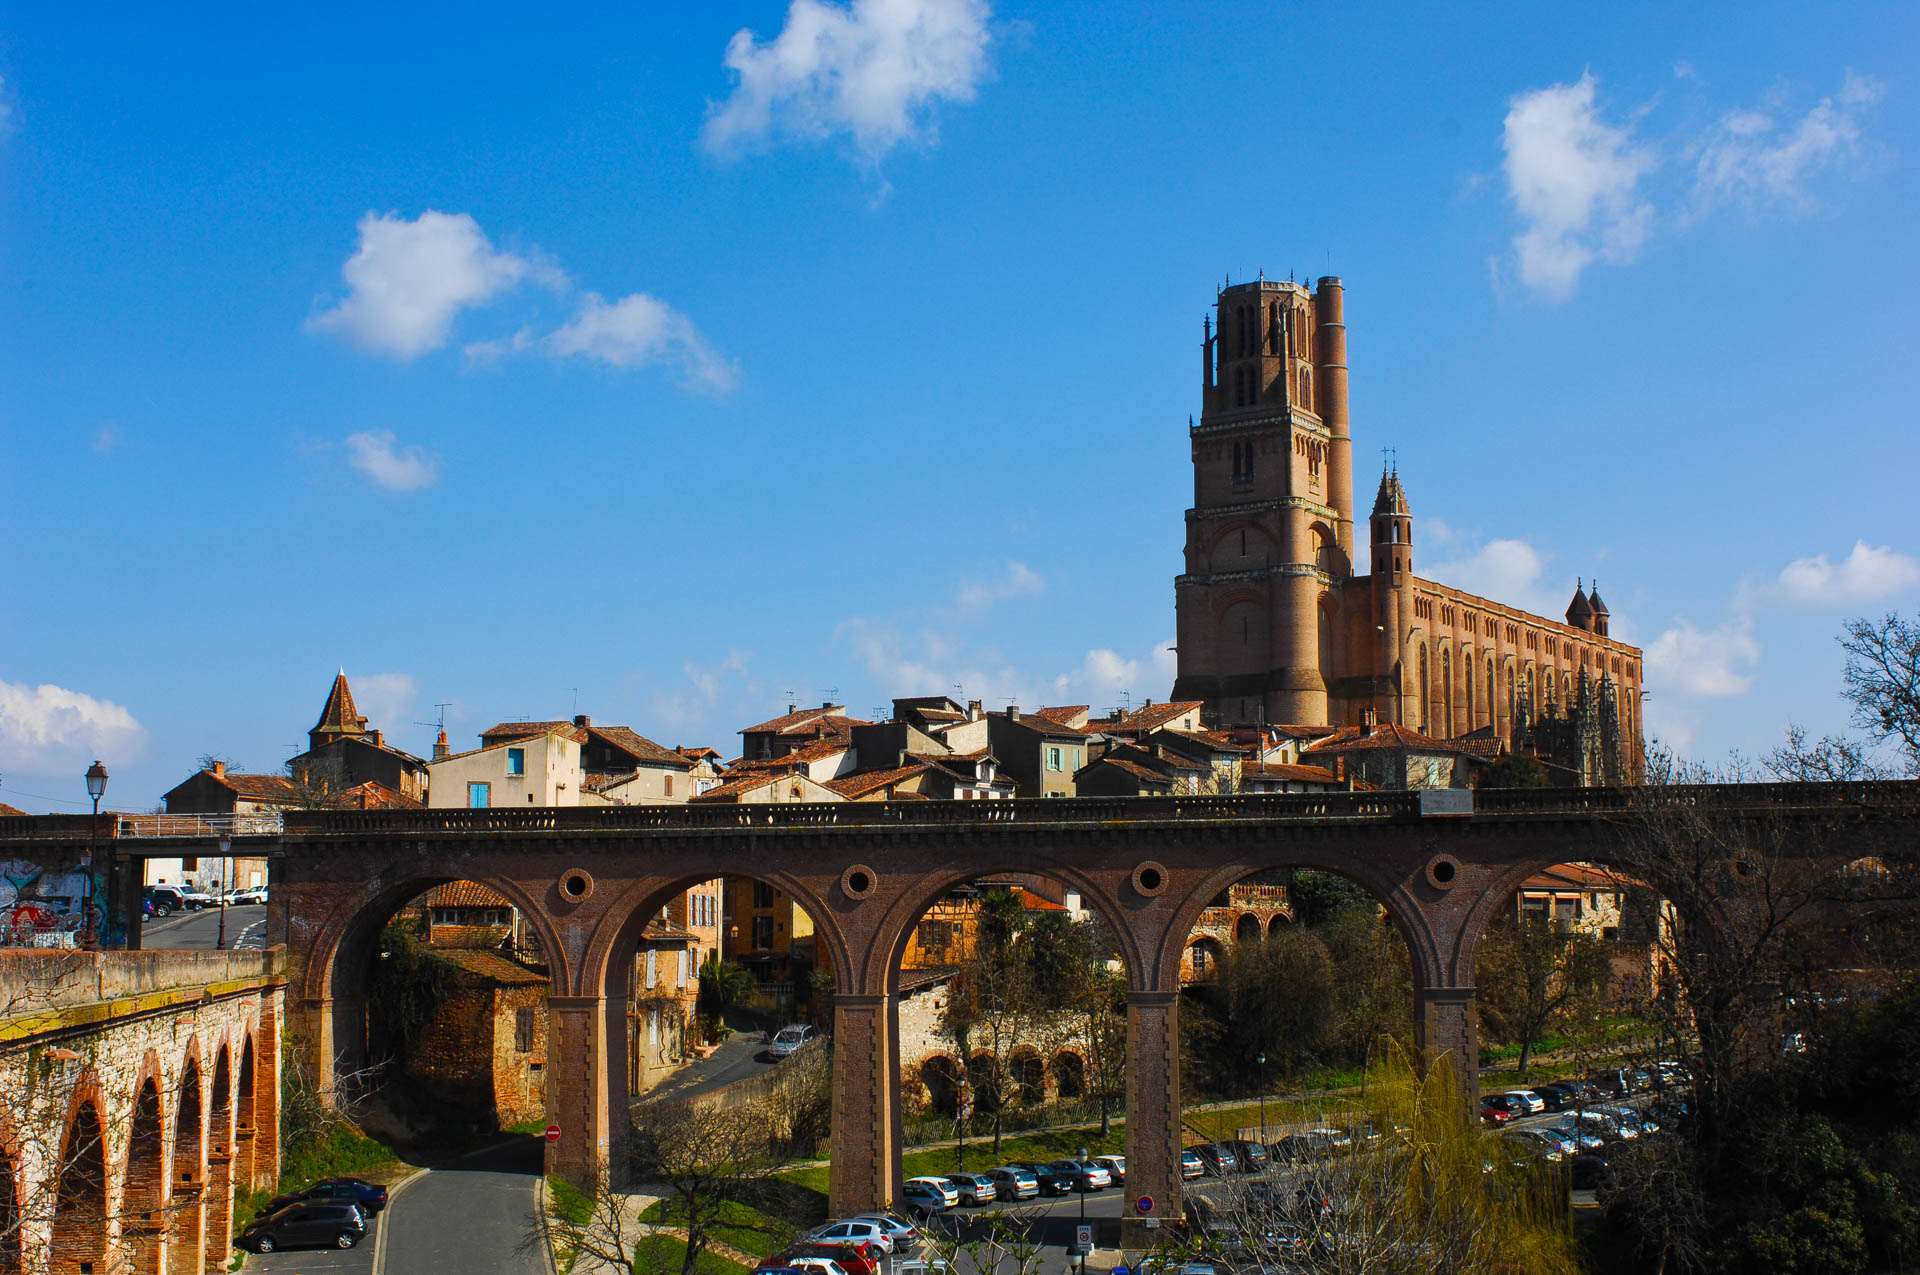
680, 969
189, 865
762, 895
516, 761
479, 796
762, 933
523, 1031
1053, 759
653, 972
666, 785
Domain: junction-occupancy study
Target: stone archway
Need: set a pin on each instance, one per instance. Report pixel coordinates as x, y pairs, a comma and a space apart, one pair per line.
1247, 929
78, 1241
1277, 923
1069, 1072
245, 1155
143, 1187
219, 1196
1027, 1077
944, 1083
186, 1230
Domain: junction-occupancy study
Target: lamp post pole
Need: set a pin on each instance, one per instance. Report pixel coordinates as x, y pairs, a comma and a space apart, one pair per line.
226, 844
1262, 1060
96, 789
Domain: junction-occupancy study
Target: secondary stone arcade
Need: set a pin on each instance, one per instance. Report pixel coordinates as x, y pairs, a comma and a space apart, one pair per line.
139, 1095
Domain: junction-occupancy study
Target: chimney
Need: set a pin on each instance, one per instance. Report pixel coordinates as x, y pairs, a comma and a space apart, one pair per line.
581, 719
973, 710
219, 769
440, 748
1371, 720
826, 703
792, 709
1013, 712
375, 737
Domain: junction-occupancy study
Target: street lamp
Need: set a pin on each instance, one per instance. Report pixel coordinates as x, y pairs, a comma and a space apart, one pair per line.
1085, 1186
1262, 1060
96, 789
226, 844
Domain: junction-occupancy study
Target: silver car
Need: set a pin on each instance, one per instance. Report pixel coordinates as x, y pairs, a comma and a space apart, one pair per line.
790, 1038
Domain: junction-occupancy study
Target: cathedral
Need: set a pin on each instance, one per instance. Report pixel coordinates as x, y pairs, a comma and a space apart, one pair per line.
1278, 625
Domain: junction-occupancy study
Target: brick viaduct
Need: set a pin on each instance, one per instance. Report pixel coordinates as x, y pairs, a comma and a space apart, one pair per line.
588, 878
139, 1094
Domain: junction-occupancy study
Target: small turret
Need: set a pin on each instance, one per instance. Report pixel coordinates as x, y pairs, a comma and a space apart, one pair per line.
1580, 610
1599, 610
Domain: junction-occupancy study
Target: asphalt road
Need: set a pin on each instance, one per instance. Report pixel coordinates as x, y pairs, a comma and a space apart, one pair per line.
470, 1217
199, 931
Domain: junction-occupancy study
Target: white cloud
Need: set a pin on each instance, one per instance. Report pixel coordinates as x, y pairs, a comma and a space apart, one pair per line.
636, 331
384, 699
978, 595
1749, 158
1508, 571
870, 69
1573, 178
1106, 679
693, 706
1868, 574
1586, 189
46, 727
105, 439
1711, 664
408, 280
375, 454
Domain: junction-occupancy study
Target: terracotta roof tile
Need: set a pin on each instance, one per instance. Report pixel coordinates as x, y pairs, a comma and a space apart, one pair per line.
5, 809
487, 965
1391, 735
462, 894
863, 782
790, 720
373, 795
1158, 714
1282, 770
261, 787
1074, 715
638, 746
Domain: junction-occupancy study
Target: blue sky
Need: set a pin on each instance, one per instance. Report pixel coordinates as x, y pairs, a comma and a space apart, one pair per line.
657, 361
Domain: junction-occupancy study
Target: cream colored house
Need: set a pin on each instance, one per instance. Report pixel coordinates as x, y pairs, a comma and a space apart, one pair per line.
537, 770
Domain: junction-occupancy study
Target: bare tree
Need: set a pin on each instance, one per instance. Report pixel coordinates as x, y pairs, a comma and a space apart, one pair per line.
1829, 759
1005, 1242
1529, 977
1883, 681
711, 1159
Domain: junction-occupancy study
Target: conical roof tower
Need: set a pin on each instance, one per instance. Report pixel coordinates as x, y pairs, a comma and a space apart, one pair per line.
338, 719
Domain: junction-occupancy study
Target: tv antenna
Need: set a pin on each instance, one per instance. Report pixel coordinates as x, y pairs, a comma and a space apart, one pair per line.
440, 724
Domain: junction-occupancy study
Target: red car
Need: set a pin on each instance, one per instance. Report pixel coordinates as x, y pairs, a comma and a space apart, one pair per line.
1497, 1109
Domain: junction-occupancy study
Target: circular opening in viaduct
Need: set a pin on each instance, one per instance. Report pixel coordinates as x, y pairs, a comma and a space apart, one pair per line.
858, 881
576, 885
1149, 879
1442, 871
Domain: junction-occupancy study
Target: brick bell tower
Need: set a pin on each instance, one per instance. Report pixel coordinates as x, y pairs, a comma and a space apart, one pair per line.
1271, 528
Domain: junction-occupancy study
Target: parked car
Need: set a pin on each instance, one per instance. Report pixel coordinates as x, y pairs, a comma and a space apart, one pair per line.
242, 898
1087, 1176
855, 1261
974, 1188
1585, 1136
1191, 1165
898, 1229
922, 1199
1309, 1144
1251, 1156
198, 898
167, 900
1561, 1094
949, 1193
1113, 1164
1015, 1183
790, 1038
1591, 1172
334, 1224
1532, 1102
1534, 1144
1615, 1082
1052, 1181
806, 1266
1497, 1108
370, 1197
852, 1234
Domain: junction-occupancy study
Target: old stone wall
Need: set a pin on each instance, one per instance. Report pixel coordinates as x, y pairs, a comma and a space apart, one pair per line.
139, 1092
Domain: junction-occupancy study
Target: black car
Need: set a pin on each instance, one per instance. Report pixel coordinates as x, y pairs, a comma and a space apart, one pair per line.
1251, 1156
166, 900
1052, 1181
1562, 1094
1591, 1172
303, 1225
369, 1197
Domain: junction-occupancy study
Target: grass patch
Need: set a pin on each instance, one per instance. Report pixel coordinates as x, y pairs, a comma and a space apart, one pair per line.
740, 1226
1226, 1122
668, 1252
343, 1152
567, 1201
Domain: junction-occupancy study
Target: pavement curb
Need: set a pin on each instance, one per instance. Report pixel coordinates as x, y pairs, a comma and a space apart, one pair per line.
546, 1227
393, 1193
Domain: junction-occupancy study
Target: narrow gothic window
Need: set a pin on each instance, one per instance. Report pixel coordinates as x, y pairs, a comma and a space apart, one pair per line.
1306, 389
1243, 542
1273, 327
1246, 630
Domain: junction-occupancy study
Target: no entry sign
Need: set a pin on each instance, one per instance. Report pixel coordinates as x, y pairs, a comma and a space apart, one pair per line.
553, 1133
